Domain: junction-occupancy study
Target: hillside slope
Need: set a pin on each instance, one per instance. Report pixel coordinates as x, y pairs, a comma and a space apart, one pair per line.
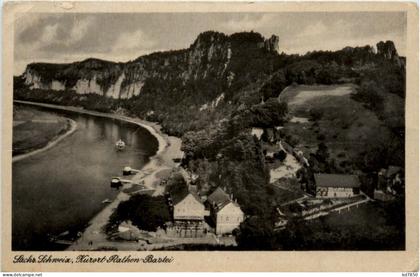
188, 89
214, 92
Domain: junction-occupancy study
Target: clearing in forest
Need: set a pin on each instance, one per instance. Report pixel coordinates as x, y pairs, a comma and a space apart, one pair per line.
343, 124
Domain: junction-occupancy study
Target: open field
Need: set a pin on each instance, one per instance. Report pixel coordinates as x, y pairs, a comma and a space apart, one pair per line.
371, 226
344, 125
299, 95
34, 129
351, 131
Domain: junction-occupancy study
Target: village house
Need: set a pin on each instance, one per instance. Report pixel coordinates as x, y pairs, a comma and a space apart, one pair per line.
390, 179
188, 214
336, 185
188, 207
390, 183
382, 196
225, 213
281, 221
257, 132
300, 157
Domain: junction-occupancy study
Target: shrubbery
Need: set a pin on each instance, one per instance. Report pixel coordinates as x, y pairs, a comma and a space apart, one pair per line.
220, 135
145, 212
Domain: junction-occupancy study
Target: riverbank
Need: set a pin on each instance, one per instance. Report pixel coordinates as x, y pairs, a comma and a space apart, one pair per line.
34, 132
93, 236
153, 128
72, 128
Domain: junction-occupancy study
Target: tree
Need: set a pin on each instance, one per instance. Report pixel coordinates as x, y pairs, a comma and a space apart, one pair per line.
281, 155
146, 212
256, 233
322, 153
176, 185
370, 93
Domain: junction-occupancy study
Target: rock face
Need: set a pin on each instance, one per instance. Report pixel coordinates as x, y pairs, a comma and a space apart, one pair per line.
272, 44
209, 57
387, 49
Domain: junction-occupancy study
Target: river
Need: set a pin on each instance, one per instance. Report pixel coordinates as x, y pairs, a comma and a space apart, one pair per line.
62, 188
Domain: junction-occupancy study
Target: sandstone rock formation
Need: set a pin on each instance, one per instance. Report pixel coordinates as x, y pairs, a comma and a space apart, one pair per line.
208, 57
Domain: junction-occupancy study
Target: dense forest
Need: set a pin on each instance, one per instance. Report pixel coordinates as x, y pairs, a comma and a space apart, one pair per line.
214, 110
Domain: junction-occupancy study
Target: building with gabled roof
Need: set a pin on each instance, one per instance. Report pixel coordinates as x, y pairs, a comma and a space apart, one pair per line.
393, 170
226, 214
336, 185
188, 206
188, 214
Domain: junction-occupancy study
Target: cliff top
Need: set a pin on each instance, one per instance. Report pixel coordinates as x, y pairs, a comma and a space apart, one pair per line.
240, 40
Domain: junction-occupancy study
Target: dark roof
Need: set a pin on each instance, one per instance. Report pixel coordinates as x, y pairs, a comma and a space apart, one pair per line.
180, 195
337, 180
219, 199
392, 170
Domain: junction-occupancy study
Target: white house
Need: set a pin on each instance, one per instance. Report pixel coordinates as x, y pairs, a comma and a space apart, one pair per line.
226, 214
336, 185
188, 207
188, 215
257, 132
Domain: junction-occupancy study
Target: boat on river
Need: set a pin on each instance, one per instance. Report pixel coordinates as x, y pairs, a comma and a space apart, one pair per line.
120, 145
106, 201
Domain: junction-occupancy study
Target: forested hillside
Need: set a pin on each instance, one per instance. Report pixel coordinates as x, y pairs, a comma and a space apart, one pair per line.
214, 92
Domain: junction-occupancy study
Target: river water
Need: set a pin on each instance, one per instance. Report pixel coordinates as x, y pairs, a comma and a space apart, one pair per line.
62, 188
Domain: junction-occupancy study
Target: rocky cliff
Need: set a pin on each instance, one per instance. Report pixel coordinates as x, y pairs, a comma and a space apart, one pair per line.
212, 56
215, 76
388, 51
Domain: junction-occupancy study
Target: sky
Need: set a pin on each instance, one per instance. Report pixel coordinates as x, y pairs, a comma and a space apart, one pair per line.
60, 38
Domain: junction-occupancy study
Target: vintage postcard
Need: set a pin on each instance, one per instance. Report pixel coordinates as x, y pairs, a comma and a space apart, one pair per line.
210, 136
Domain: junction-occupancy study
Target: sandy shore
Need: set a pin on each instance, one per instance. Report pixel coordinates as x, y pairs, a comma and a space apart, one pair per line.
52, 143
169, 148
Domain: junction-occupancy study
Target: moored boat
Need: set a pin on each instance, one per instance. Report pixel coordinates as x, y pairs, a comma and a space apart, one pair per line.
116, 183
127, 171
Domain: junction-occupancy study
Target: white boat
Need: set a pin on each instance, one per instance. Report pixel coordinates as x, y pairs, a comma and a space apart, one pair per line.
106, 201
120, 145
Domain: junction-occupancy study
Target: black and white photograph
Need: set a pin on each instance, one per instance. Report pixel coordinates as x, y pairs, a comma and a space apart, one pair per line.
209, 131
